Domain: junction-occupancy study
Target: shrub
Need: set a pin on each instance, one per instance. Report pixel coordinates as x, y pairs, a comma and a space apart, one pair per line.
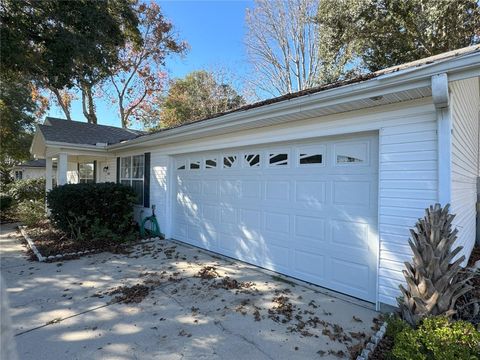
27, 189
437, 338
31, 212
433, 284
6, 203
93, 211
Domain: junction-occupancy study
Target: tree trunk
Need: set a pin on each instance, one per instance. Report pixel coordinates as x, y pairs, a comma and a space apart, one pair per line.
88, 106
62, 104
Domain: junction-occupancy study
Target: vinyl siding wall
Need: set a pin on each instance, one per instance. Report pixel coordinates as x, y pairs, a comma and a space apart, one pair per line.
407, 171
465, 107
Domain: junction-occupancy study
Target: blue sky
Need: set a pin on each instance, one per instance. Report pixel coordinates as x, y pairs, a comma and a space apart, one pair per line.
215, 32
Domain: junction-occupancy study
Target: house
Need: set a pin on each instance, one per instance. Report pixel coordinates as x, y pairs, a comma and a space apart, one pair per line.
33, 169
322, 185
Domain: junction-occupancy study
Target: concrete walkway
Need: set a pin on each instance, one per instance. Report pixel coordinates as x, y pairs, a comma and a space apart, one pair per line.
63, 310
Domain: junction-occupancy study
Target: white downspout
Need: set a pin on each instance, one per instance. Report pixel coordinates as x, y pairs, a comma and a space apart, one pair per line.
441, 100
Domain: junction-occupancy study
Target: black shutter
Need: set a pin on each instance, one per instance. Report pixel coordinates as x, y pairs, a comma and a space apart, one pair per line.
146, 181
94, 171
118, 170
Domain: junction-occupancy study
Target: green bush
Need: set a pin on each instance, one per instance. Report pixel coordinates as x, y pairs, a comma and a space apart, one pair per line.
31, 212
27, 189
93, 211
6, 203
437, 338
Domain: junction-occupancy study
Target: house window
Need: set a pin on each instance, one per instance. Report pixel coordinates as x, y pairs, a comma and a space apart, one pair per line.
18, 175
278, 159
132, 174
86, 173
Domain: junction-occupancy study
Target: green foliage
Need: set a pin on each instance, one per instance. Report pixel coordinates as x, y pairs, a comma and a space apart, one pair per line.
72, 41
31, 212
27, 189
395, 325
385, 33
6, 203
93, 211
438, 339
197, 96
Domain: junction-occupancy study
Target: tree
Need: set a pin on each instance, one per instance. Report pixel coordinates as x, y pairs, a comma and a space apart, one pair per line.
197, 96
282, 43
17, 112
385, 33
138, 78
61, 44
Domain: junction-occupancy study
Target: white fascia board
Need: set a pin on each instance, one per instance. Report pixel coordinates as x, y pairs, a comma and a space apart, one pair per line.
70, 146
398, 81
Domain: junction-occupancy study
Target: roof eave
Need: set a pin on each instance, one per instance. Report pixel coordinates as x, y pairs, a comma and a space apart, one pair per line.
457, 68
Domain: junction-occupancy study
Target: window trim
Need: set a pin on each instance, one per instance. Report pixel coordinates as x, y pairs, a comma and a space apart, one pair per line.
366, 162
276, 152
141, 199
234, 164
80, 178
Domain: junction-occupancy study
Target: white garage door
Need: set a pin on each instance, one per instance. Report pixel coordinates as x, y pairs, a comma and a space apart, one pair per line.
308, 210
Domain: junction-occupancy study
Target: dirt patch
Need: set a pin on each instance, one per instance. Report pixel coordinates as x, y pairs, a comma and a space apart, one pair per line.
207, 273
130, 294
50, 242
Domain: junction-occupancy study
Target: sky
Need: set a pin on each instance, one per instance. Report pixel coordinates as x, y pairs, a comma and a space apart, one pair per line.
214, 31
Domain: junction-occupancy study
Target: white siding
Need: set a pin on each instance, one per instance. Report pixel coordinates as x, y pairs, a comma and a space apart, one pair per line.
158, 187
465, 107
407, 185
407, 171
72, 173
111, 174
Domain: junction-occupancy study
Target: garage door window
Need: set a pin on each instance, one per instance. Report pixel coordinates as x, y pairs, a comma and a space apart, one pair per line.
131, 174
278, 159
195, 165
311, 156
252, 160
229, 161
351, 153
211, 163
181, 164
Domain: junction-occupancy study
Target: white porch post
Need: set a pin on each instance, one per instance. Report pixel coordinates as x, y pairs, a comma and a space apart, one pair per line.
48, 174
62, 168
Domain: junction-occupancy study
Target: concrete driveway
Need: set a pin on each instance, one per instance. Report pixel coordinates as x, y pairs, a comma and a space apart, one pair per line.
166, 300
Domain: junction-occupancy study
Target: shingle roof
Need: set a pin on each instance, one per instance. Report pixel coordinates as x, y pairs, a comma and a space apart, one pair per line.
364, 77
33, 163
76, 132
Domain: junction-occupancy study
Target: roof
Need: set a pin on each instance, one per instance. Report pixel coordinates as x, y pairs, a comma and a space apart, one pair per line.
364, 77
76, 132
39, 163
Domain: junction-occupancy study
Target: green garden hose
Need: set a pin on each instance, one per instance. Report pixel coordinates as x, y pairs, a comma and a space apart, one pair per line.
149, 226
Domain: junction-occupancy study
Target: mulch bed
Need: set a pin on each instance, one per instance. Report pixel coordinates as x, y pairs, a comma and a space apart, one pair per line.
50, 241
383, 348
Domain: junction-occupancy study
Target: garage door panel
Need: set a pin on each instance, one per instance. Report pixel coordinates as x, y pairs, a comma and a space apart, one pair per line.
315, 219
311, 228
309, 263
277, 190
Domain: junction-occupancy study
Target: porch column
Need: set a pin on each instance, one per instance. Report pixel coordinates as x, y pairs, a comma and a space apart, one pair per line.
48, 174
62, 168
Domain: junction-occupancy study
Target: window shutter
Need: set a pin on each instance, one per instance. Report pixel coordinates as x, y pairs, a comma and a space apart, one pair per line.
94, 171
118, 170
146, 181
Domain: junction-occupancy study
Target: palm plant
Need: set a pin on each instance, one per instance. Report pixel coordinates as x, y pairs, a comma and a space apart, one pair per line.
433, 284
